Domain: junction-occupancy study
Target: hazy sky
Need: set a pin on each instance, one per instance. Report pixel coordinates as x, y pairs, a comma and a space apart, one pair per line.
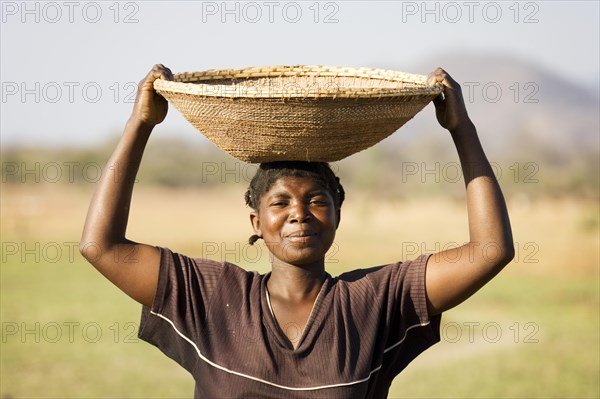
68, 67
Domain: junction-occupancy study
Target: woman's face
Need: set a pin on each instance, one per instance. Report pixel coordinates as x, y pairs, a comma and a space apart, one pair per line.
297, 220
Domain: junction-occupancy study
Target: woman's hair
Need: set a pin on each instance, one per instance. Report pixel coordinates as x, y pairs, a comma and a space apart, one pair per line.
268, 173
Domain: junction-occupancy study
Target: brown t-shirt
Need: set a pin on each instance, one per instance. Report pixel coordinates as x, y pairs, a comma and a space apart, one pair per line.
213, 318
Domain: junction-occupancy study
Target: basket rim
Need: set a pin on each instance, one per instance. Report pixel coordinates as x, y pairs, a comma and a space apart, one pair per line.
409, 84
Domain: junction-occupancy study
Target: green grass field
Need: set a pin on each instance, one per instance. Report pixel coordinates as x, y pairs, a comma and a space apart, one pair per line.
68, 333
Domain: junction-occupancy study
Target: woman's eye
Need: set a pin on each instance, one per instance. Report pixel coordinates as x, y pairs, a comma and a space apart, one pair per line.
320, 202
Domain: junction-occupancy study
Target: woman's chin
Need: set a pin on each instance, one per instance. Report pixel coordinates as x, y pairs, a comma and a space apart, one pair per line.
302, 255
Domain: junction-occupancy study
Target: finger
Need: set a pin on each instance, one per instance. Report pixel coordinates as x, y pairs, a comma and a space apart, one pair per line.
438, 100
159, 71
441, 76
451, 87
431, 80
448, 81
149, 78
437, 76
165, 74
168, 73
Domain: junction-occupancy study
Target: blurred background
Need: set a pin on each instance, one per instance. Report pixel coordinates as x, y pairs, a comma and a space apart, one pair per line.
530, 77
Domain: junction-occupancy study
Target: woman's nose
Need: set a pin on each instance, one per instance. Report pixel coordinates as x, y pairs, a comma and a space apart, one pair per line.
299, 213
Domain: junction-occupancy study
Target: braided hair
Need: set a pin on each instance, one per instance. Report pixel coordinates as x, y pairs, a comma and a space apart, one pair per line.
268, 173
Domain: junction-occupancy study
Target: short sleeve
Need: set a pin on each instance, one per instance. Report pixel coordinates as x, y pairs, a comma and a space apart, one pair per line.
409, 330
177, 317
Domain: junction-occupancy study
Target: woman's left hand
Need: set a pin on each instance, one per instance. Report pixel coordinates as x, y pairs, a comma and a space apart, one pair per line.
449, 106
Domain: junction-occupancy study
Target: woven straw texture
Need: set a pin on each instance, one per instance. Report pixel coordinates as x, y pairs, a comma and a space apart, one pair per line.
309, 113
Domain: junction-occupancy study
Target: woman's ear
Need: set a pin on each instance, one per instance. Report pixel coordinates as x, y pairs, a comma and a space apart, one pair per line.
338, 214
254, 219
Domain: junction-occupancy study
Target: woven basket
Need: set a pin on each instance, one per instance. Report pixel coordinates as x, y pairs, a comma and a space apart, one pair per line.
310, 113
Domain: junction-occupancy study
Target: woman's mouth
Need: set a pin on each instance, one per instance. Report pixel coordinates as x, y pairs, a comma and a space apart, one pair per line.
301, 236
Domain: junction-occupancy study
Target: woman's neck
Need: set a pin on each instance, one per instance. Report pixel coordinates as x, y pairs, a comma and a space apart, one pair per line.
296, 283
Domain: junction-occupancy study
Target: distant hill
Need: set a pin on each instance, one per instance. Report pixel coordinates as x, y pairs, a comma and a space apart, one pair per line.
518, 107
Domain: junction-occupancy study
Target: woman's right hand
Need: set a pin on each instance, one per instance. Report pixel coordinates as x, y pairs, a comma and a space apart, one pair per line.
150, 107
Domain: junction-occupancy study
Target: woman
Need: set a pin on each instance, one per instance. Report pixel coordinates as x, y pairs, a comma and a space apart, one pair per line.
296, 331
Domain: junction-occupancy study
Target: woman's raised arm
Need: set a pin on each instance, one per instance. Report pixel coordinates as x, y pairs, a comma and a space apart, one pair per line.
131, 266
454, 275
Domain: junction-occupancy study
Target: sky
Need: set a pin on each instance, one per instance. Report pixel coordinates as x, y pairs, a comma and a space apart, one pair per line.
68, 69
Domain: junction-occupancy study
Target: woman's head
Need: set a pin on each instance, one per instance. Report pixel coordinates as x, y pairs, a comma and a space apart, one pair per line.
268, 173
295, 209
